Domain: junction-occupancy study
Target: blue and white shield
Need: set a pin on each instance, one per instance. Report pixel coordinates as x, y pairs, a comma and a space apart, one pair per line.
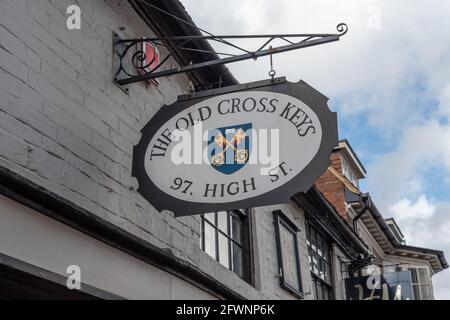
229, 147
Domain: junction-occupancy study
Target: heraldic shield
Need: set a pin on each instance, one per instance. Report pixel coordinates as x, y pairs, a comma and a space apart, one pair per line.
229, 147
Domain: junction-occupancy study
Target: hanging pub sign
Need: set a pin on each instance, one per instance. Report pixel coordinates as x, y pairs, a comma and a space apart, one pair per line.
387, 286
241, 146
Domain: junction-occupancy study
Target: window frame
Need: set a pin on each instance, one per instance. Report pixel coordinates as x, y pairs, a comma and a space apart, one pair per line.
280, 219
315, 278
419, 284
348, 172
244, 244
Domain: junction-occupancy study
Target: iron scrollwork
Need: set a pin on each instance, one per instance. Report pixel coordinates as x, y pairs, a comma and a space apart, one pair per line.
131, 64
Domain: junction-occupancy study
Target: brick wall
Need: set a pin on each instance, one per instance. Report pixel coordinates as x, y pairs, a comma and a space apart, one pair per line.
332, 188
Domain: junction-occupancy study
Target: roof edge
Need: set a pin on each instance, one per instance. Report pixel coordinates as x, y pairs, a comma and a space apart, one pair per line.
397, 245
352, 154
165, 25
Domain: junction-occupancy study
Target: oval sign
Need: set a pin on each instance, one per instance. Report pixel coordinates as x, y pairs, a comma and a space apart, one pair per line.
236, 147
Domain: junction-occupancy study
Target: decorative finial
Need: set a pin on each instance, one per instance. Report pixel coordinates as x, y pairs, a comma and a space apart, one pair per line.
342, 28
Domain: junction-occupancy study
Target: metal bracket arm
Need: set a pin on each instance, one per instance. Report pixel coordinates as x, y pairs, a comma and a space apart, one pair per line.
129, 62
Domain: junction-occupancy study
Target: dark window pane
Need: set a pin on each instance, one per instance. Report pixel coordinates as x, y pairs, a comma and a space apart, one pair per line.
319, 244
328, 273
237, 259
326, 251
319, 266
308, 235
313, 239
315, 263
325, 293
319, 291
210, 240
322, 268
236, 227
416, 290
413, 275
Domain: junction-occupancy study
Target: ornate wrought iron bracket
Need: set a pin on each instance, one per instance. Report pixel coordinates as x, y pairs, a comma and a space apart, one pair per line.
131, 63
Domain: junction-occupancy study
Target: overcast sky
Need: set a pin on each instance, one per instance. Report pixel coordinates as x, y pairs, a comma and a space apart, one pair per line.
389, 81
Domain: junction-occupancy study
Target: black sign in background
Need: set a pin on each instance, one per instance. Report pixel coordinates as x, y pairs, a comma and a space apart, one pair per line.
389, 282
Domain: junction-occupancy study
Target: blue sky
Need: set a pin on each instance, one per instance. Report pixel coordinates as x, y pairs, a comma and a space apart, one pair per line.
389, 81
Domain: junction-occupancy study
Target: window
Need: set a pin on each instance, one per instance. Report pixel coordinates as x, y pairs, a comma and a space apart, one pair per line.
288, 257
225, 237
319, 255
348, 173
421, 283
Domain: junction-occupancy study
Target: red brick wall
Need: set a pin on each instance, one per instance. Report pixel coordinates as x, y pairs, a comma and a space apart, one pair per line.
332, 188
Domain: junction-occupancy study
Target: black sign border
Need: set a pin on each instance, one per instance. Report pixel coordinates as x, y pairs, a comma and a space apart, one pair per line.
302, 182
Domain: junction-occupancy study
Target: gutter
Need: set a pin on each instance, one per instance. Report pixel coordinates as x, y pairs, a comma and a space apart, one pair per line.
383, 225
387, 231
342, 234
367, 203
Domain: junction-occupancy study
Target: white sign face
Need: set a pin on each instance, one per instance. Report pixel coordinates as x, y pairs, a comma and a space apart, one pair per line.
276, 125
219, 152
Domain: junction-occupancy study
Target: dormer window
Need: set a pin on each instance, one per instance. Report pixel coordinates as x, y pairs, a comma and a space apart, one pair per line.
348, 173
351, 166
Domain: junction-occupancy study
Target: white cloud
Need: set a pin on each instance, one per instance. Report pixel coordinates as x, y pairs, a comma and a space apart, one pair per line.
423, 221
403, 171
405, 209
444, 102
415, 218
369, 70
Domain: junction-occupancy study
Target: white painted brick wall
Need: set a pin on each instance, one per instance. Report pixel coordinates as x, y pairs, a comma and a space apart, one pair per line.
66, 126
268, 261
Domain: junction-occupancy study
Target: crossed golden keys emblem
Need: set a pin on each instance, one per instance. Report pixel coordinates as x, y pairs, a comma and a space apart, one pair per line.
241, 155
